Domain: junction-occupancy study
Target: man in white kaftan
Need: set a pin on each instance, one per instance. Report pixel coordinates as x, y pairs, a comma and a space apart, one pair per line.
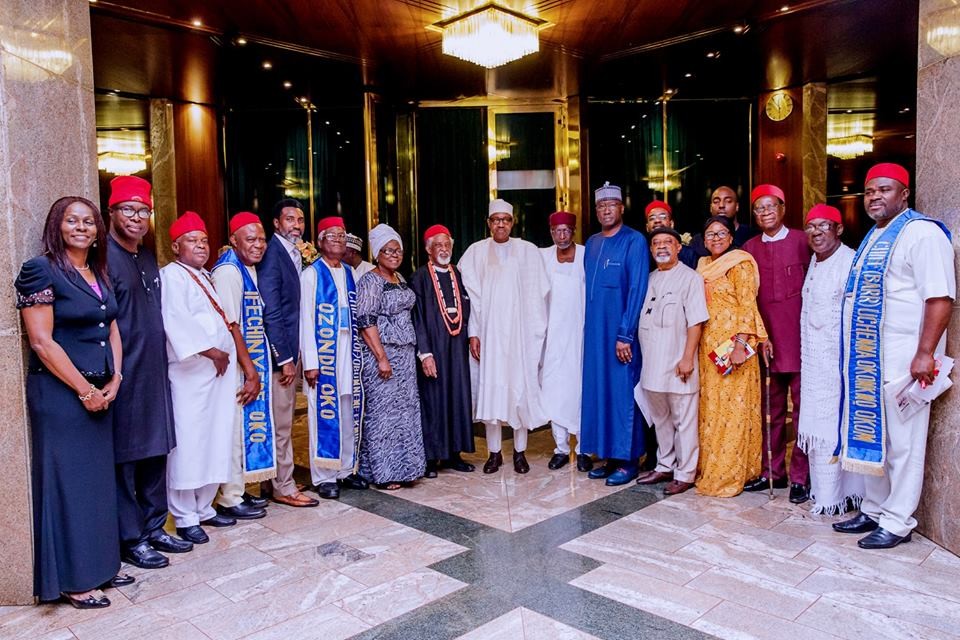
328, 476
562, 365
833, 490
508, 290
203, 382
919, 287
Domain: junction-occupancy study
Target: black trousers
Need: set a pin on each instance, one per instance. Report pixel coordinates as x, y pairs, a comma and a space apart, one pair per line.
141, 498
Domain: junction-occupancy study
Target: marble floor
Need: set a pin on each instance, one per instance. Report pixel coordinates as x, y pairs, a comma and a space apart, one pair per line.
547, 555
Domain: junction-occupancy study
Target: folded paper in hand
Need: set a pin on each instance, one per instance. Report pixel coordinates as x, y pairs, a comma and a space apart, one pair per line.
721, 355
910, 397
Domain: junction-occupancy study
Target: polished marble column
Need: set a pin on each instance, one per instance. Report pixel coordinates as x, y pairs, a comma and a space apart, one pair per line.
813, 144
47, 150
163, 175
938, 174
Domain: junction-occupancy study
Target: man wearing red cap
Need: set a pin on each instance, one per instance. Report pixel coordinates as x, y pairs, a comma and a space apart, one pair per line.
331, 363
896, 307
782, 256
660, 214
832, 490
254, 450
143, 416
508, 296
203, 381
441, 317
562, 365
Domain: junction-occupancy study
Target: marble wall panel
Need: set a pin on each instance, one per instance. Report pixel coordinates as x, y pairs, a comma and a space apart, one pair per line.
938, 173
47, 150
814, 144
164, 175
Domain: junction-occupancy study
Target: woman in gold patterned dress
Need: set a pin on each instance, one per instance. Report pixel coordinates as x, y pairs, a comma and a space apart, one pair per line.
730, 436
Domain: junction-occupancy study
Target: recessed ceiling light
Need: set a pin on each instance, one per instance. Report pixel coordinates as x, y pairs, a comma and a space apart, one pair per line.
241, 41
287, 84
326, 122
738, 29
197, 22
688, 75
713, 54
633, 126
623, 135
267, 64
669, 92
785, 8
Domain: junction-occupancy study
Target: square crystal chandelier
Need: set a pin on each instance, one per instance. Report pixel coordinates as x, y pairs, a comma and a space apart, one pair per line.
490, 35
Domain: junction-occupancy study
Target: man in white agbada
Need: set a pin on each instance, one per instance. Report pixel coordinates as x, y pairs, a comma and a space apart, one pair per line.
833, 490
508, 321
671, 322
919, 287
203, 382
562, 365
248, 243
353, 256
335, 465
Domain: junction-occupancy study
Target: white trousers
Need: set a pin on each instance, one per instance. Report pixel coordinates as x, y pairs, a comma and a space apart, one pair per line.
189, 506
678, 440
561, 437
495, 437
318, 474
231, 492
892, 498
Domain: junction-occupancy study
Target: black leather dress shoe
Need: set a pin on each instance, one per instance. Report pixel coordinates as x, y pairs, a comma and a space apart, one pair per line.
144, 556
163, 541
255, 501
494, 462
353, 481
603, 472
328, 490
520, 462
219, 520
584, 463
461, 465
799, 493
860, 523
119, 580
558, 461
431, 471
882, 539
194, 534
762, 484
243, 512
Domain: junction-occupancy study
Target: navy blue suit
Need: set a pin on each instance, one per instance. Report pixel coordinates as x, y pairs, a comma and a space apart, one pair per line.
279, 284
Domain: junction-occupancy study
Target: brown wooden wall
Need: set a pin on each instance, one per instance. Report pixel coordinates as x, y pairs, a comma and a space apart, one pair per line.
781, 137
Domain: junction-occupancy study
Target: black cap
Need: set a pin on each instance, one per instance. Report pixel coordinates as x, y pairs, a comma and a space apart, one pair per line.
670, 231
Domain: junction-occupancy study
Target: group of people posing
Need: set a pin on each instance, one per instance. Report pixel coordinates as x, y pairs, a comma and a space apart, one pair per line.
153, 390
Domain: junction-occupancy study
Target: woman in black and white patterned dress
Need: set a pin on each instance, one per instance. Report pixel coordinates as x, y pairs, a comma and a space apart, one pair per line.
391, 449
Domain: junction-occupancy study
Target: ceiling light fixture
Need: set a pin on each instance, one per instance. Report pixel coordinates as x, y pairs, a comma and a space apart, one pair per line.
287, 84
267, 64
197, 22
241, 41
490, 35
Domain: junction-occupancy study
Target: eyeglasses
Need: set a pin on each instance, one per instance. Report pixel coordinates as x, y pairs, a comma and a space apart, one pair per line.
392, 252
501, 220
770, 208
716, 235
824, 226
129, 212
659, 217
339, 237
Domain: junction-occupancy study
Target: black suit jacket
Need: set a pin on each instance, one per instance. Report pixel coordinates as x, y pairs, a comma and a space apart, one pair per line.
279, 284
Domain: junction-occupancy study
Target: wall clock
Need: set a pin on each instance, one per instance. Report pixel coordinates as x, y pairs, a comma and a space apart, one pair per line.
779, 106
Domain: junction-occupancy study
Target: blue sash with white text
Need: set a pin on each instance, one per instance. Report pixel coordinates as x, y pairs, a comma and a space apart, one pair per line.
330, 317
259, 444
862, 442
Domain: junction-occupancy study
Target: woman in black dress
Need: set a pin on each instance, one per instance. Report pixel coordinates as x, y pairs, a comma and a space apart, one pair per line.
68, 310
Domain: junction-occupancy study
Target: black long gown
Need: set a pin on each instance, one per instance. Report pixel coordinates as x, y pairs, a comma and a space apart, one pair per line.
445, 404
74, 490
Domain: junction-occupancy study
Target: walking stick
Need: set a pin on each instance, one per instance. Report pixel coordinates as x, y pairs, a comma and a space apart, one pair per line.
766, 421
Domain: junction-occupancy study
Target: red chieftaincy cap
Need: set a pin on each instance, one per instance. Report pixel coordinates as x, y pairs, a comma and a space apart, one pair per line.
186, 223
328, 222
562, 217
435, 230
657, 204
129, 189
766, 190
242, 219
824, 211
889, 170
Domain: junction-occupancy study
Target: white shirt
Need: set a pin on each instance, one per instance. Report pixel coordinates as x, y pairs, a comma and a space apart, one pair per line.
779, 235
293, 252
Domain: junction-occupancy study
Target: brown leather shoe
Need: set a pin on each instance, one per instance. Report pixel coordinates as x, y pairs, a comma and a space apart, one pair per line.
675, 487
520, 462
296, 500
654, 477
494, 462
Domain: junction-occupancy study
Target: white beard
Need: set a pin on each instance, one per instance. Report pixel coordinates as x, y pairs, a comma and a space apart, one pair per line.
661, 259
442, 260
